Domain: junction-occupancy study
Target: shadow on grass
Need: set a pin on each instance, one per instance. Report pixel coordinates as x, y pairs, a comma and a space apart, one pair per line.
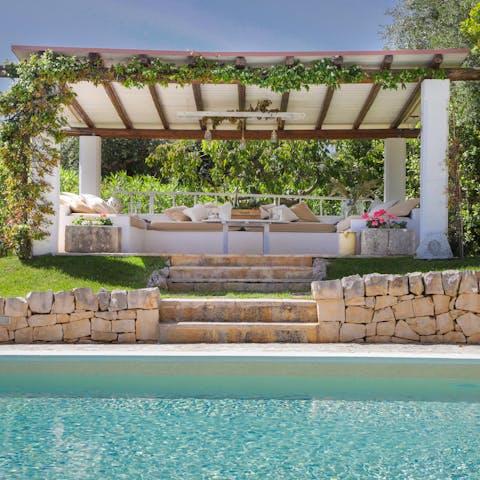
129, 272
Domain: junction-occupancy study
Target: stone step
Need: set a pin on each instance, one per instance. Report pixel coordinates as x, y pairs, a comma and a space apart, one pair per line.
238, 311
214, 332
240, 274
240, 286
241, 260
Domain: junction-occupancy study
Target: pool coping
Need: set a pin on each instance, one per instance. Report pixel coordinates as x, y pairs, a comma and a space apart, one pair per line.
246, 351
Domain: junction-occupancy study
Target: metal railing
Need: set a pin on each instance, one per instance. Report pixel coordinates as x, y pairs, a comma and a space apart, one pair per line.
156, 202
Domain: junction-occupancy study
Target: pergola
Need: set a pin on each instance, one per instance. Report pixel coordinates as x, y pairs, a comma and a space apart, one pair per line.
360, 110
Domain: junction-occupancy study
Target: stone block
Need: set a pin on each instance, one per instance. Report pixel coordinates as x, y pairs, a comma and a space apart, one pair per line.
42, 320
328, 332
379, 339
423, 325
75, 317
433, 283
469, 323
50, 333
401, 340
454, 337
456, 313
123, 326
398, 285
118, 300
332, 310
358, 315
423, 306
93, 238
404, 298
144, 298
2, 305
40, 302
451, 282
403, 330
474, 339
403, 310
469, 302
444, 323
4, 335
327, 289
468, 282
384, 301
64, 302
107, 315
431, 339
101, 325
386, 328
415, 283
78, 329
353, 290
369, 302
441, 303
24, 335
16, 323
126, 338
350, 332
383, 315
371, 329
103, 336
374, 242
103, 299
85, 299
16, 307
147, 325
126, 314
376, 284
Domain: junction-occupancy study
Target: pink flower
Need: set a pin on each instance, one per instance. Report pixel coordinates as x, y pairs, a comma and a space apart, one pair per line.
379, 213
365, 216
381, 220
374, 223
102, 215
392, 217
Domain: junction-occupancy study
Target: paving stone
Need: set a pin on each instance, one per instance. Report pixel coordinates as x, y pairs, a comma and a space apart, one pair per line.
16, 323
42, 320
423, 325
144, 298
126, 314
24, 335
386, 328
398, 285
403, 310
103, 336
423, 306
85, 299
352, 331
441, 303
101, 325
64, 302
16, 307
328, 332
106, 315
474, 339
433, 283
40, 302
371, 329
50, 333
376, 284
126, 338
468, 282
332, 310
469, 323
358, 315
469, 302
415, 283
451, 282
444, 323
147, 325
454, 338
123, 326
75, 317
431, 339
118, 300
353, 290
77, 329
384, 301
327, 289
403, 330
4, 335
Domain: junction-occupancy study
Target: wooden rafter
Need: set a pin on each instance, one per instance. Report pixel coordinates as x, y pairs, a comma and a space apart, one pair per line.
289, 61
249, 134
338, 61
414, 98
197, 95
386, 65
158, 106
79, 111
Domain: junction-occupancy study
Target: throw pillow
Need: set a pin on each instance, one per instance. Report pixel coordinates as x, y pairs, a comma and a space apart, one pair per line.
403, 209
283, 213
225, 211
266, 211
96, 203
176, 214
382, 206
197, 213
303, 212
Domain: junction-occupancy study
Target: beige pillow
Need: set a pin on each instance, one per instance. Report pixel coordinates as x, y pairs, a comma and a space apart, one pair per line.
75, 202
197, 213
96, 203
303, 212
283, 213
176, 214
403, 209
382, 206
266, 211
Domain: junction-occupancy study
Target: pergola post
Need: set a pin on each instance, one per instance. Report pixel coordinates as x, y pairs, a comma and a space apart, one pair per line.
434, 171
394, 174
90, 164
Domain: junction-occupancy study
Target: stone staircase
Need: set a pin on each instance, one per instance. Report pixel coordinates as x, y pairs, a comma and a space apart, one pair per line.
245, 273
238, 321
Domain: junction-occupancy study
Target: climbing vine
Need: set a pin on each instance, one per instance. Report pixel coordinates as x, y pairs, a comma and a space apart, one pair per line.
33, 121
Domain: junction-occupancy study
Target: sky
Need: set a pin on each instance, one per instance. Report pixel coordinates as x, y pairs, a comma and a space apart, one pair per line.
214, 25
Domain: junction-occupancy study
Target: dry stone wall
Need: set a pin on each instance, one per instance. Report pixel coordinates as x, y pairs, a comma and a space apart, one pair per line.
81, 316
433, 307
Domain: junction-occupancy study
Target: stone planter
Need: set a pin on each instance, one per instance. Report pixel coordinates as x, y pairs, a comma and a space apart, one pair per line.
92, 239
383, 242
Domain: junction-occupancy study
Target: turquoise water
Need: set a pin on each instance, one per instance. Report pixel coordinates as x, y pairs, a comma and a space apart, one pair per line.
55, 437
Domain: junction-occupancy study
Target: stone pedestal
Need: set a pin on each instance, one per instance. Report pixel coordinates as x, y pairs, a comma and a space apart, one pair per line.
384, 242
92, 239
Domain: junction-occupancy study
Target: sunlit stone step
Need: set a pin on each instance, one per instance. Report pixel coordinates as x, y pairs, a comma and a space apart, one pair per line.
240, 286
241, 260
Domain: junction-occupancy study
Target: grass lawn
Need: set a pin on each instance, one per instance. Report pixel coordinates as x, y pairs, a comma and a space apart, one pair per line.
64, 273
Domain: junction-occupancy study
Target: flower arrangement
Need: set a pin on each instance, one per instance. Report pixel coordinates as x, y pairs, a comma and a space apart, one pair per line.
383, 219
101, 220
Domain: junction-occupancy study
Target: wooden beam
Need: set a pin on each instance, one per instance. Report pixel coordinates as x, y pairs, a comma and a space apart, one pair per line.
117, 104
242, 96
197, 95
158, 106
386, 65
249, 134
78, 110
240, 63
415, 95
325, 106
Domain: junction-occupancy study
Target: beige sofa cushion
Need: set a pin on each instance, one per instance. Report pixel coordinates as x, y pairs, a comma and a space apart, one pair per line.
197, 213
176, 214
345, 224
283, 213
404, 208
303, 212
185, 227
303, 227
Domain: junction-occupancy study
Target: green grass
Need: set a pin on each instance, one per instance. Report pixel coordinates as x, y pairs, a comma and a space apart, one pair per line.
66, 272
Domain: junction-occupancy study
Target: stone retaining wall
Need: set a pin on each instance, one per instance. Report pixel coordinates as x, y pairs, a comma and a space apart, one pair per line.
81, 316
434, 307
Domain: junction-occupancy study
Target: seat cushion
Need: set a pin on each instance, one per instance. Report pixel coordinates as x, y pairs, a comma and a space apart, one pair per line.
303, 212
303, 227
185, 226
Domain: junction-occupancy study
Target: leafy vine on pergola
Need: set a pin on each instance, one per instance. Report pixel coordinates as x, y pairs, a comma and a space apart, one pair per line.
33, 121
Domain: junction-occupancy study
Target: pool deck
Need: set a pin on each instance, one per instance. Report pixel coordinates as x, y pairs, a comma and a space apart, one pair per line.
467, 352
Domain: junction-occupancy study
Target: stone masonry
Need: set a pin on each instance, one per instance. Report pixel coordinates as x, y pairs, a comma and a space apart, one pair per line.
434, 307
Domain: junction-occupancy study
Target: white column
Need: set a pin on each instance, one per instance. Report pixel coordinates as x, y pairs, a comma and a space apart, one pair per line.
49, 245
90, 165
394, 174
434, 171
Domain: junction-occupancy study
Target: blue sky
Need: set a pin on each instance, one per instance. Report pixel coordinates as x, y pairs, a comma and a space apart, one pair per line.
223, 25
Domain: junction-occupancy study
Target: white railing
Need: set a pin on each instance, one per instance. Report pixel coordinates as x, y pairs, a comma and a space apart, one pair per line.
135, 206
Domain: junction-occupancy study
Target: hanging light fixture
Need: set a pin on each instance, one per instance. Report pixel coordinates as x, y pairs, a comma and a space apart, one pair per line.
208, 135
274, 136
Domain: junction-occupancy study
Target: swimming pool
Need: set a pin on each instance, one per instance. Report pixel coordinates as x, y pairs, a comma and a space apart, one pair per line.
238, 417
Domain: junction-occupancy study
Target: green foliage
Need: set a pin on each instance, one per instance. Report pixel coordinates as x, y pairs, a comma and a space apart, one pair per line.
68, 180
101, 220
471, 27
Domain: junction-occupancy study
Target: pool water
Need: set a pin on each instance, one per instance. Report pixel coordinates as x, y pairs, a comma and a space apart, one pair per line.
79, 437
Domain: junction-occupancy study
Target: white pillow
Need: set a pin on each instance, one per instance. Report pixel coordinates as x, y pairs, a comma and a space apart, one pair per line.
197, 213
225, 211
75, 203
283, 213
266, 211
382, 206
96, 203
